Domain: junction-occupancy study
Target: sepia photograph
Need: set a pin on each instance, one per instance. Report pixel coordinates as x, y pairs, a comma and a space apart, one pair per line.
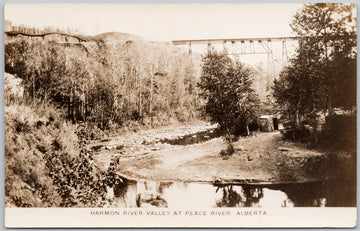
152, 114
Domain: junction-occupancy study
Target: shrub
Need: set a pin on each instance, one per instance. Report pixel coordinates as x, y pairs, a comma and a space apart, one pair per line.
297, 134
49, 164
27, 183
340, 132
13, 91
228, 151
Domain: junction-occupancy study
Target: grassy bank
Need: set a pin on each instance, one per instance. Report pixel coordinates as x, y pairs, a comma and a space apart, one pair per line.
46, 162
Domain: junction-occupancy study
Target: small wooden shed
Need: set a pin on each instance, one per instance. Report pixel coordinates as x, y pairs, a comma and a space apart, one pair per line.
268, 123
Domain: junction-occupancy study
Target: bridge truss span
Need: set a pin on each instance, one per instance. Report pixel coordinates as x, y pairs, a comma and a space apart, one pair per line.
243, 46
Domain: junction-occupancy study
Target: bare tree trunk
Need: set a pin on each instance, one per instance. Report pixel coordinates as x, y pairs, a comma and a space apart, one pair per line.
181, 85
140, 101
73, 105
297, 115
33, 86
151, 96
102, 113
85, 103
297, 119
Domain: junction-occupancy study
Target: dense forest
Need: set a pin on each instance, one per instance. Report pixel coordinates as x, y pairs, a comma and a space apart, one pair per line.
320, 80
108, 82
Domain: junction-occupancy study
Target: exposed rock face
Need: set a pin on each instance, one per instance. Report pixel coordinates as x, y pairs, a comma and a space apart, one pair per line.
89, 43
109, 37
57, 37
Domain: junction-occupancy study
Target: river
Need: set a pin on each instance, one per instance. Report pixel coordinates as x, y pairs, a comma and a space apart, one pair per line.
204, 195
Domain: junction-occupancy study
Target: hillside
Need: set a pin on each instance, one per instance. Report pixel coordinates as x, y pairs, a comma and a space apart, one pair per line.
109, 37
142, 82
115, 37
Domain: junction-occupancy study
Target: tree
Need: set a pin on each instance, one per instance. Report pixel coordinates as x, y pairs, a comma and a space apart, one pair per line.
322, 74
327, 34
227, 87
108, 84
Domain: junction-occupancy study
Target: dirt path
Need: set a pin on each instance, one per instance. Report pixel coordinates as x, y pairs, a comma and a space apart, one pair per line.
261, 158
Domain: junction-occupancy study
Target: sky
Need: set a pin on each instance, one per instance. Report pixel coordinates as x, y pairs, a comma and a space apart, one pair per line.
161, 21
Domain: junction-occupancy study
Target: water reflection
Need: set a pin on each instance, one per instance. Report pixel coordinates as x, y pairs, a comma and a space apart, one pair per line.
198, 195
193, 138
252, 196
230, 197
249, 196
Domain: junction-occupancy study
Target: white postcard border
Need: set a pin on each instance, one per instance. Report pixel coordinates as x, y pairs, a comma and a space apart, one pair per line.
217, 217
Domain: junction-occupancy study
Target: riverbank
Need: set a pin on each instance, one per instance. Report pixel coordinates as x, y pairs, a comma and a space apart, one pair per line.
264, 158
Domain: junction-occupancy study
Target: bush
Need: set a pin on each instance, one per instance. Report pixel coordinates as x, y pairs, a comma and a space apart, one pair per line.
340, 132
13, 91
47, 163
297, 134
239, 127
228, 151
27, 183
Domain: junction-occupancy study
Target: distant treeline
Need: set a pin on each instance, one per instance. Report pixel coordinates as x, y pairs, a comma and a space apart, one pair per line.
8, 26
111, 83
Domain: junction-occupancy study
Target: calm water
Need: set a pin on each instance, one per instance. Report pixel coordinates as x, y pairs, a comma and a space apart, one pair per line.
201, 195
341, 193
193, 138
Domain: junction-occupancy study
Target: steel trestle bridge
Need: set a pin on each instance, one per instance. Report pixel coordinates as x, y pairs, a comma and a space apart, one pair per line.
242, 46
